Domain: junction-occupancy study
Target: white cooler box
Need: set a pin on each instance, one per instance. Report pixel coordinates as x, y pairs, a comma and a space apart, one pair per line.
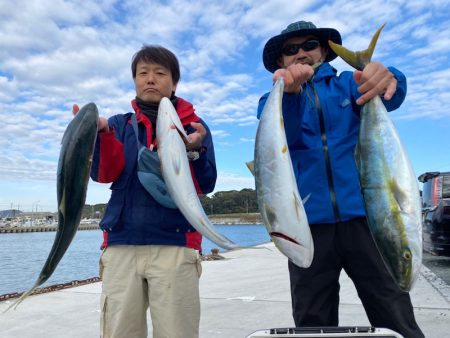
322, 332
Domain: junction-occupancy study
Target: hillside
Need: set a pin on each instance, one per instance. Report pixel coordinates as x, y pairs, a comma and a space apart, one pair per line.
221, 203
238, 218
231, 205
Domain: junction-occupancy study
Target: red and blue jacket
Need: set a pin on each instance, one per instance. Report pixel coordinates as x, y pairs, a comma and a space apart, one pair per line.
132, 216
322, 127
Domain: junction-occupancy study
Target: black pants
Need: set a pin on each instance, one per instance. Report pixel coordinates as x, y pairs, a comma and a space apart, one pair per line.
349, 246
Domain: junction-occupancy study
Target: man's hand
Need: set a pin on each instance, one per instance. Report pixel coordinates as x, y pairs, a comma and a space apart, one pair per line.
294, 77
375, 79
102, 122
75, 109
196, 138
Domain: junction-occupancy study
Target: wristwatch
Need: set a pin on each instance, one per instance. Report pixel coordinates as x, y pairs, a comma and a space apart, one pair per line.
192, 155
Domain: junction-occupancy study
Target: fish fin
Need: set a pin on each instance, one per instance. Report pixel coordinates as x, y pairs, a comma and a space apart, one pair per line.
357, 157
399, 195
358, 59
182, 132
176, 163
166, 107
304, 200
62, 205
257, 247
270, 214
177, 124
21, 299
298, 204
251, 166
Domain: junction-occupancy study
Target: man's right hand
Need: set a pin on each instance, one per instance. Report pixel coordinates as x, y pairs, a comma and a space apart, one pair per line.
102, 122
294, 77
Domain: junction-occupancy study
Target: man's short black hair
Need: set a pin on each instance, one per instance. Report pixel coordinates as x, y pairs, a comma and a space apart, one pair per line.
159, 55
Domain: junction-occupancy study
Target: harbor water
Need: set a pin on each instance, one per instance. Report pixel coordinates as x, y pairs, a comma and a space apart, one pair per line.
22, 255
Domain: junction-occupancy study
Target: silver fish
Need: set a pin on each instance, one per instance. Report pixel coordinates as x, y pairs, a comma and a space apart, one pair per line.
74, 165
388, 184
177, 174
278, 198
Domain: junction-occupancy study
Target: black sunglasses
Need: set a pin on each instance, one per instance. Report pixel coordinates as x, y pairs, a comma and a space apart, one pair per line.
293, 49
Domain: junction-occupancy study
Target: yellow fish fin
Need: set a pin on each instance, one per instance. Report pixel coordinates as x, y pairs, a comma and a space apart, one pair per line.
251, 166
358, 59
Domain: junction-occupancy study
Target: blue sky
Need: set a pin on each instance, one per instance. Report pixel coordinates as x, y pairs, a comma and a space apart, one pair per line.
54, 53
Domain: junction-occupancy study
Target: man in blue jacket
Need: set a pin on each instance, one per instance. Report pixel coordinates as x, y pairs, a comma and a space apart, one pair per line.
321, 113
151, 253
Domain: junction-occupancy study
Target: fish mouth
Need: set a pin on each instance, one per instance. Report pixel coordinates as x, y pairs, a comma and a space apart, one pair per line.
283, 236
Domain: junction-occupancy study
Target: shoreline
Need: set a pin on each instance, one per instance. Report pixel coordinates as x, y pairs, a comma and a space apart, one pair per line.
23, 229
225, 219
51, 288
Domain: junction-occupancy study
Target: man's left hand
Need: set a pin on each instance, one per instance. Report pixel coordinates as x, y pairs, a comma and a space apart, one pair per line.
196, 137
375, 79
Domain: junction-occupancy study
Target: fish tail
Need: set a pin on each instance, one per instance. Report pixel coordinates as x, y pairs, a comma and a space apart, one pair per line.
21, 299
251, 166
358, 59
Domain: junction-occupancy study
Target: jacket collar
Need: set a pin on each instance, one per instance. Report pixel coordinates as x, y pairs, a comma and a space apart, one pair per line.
185, 111
325, 70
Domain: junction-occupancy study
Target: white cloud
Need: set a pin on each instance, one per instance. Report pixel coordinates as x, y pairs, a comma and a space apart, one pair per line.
219, 133
57, 53
247, 140
229, 181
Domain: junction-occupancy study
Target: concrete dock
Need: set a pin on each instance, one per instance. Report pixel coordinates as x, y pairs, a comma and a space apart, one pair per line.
245, 292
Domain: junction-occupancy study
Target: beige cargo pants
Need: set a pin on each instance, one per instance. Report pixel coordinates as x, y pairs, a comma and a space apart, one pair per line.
164, 278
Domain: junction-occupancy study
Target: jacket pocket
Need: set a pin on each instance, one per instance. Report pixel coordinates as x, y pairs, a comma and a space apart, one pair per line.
340, 119
101, 265
193, 257
112, 219
199, 267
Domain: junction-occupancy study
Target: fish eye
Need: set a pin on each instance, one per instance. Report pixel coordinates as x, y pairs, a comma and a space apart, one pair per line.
407, 255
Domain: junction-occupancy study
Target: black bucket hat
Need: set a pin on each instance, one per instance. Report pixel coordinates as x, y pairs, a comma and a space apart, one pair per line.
272, 49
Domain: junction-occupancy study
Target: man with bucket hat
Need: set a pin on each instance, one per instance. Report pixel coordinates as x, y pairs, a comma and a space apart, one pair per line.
321, 112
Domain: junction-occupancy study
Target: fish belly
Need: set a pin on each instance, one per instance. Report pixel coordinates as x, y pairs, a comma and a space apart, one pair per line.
278, 198
176, 172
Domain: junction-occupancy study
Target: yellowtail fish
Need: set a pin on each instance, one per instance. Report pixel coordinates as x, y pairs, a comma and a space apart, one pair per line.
277, 194
177, 174
388, 183
74, 166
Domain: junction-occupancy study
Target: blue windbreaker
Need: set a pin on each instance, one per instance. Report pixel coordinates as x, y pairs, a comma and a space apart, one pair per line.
322, 139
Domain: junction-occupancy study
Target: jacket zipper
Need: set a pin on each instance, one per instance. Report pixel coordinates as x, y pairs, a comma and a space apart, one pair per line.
326, 153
